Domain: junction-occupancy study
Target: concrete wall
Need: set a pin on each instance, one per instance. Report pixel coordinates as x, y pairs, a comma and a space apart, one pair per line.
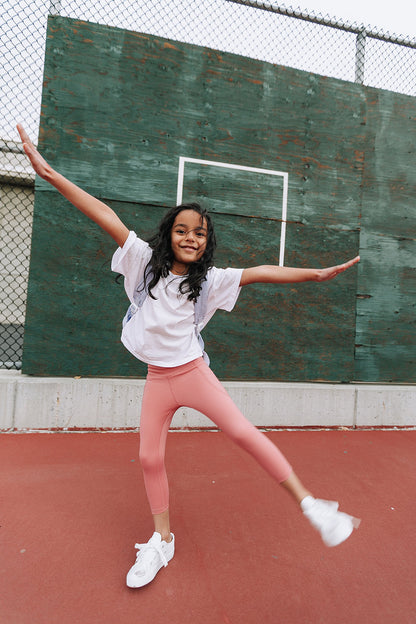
63, 404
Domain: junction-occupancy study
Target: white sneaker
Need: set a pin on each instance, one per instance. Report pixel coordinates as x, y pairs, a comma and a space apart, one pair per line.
334, 526
150, 558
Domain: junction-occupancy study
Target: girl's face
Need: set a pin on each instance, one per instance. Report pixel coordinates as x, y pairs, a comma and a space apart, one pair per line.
188, 239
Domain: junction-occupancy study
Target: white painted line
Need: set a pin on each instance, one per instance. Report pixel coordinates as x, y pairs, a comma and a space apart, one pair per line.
180, 180
284, 218
213, 163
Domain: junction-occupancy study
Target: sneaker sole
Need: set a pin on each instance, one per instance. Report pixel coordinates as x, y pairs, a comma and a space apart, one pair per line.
134, 583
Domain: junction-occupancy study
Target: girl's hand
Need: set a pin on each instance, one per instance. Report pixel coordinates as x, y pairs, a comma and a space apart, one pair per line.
38, 163
331, 272
269, 274
93, 208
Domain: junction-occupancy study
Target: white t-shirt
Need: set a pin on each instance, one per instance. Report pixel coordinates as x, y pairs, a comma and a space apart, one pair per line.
162, 331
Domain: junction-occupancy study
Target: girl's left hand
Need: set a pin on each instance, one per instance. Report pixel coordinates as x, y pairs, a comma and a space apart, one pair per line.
330, 272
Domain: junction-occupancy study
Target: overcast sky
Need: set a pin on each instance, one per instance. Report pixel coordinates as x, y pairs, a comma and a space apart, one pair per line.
395, 16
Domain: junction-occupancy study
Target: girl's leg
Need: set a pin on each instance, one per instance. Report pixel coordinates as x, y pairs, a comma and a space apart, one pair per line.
296, 488
200, 389
162, 525
158, 407
209, 397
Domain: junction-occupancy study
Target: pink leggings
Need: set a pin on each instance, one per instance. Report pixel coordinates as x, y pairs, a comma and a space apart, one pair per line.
194, 385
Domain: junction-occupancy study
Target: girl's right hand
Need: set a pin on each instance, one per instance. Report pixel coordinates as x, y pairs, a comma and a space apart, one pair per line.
38, 163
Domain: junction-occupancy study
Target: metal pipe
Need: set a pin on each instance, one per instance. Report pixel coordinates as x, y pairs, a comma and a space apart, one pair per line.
360, 56
327, 21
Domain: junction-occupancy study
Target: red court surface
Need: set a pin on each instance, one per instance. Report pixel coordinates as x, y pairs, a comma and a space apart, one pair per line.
73, 506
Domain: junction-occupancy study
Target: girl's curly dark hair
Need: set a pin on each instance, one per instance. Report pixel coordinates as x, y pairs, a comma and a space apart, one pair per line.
162, 257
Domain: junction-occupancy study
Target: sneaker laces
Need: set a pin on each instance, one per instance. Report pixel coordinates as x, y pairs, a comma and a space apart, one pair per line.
149, 549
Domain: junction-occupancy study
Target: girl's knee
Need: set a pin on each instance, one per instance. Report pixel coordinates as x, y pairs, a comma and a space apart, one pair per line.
151, 461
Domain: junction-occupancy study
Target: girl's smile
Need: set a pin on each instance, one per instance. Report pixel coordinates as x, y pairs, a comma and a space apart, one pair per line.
188, 240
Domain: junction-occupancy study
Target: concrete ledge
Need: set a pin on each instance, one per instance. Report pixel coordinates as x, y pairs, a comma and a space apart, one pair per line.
386, 405
55, 403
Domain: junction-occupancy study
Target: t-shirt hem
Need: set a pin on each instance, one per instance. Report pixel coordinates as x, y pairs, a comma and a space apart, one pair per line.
174, 364
163, 363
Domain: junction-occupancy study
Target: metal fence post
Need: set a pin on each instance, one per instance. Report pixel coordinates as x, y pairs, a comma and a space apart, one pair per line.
360, 56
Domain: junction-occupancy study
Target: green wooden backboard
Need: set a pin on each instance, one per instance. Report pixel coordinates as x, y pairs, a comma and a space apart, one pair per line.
120, 108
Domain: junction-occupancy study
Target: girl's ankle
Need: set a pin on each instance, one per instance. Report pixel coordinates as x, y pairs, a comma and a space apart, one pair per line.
167, 538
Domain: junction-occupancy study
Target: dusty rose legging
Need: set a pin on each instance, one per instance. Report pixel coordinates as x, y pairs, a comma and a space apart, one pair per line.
194, 385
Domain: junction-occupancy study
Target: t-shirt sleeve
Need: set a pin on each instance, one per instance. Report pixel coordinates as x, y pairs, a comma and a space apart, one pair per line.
223, 291
131, 261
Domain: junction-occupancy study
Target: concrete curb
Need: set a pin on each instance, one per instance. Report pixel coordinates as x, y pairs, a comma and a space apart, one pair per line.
56, 403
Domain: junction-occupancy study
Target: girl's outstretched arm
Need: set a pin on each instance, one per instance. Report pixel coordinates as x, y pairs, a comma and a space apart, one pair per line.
269, 274
93, 208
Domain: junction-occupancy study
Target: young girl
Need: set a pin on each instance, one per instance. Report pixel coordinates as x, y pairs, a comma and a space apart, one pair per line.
169, 274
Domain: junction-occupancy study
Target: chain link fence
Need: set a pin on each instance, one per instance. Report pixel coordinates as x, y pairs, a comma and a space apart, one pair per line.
265, 31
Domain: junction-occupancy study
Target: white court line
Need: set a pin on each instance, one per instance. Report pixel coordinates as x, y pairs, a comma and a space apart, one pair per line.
213, 163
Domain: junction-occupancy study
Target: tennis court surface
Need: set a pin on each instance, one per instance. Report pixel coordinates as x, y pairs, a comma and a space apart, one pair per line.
73, 506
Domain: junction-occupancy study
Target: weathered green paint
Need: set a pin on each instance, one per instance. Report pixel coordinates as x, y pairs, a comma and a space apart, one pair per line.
118, 110
386, 304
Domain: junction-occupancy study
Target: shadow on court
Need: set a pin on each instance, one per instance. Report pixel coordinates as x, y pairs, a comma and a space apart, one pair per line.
74, 505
